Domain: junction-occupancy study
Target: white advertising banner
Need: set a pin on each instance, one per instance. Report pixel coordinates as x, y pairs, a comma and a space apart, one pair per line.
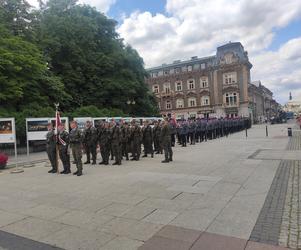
36, 128
64, 120
7, 130
81, 121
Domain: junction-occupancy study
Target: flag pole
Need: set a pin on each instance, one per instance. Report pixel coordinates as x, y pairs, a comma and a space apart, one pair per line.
56, 145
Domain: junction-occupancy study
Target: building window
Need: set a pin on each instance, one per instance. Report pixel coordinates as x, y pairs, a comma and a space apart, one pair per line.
231, 99
180, 103
196, 66
168, 104
230, 78
203, 65
191, 102
189, 68
166, 87
205, 100
156, 89
191, 84
204, 82
179, 86
177, 70
155, 74
166, 72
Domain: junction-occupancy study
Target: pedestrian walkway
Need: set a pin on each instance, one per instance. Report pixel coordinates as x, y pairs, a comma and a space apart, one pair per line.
212, 196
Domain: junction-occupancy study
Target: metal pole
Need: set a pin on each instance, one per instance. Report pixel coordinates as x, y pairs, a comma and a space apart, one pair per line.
266, 131
246, 132
56, 145
27, 142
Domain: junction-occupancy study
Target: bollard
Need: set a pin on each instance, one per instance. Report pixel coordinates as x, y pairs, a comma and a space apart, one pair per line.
246, 132
266, 131
289, 132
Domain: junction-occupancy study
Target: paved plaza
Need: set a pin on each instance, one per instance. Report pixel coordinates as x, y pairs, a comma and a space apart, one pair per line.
229, 193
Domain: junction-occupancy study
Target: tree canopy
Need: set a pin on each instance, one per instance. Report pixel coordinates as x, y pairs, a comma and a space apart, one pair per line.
68, 53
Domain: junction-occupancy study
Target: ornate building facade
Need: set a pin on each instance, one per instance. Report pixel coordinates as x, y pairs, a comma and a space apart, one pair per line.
203, 87
261, 103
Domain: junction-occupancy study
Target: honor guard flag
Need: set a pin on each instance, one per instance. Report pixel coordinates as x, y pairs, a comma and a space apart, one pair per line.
58, 122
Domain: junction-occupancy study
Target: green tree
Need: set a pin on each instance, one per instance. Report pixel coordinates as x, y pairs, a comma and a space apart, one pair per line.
85, 51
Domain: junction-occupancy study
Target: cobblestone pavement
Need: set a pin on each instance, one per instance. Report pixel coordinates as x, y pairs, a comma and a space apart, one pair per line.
291, 221
279, 222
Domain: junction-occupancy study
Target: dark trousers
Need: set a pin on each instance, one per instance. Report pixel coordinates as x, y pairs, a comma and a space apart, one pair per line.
183, 140
77, 156
105, 153
173, 139
192, 137
51, 152
167, 150
91, 149
116, 152
65, 157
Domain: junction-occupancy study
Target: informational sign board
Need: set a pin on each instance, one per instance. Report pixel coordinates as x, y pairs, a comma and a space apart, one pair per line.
98, 120
36, 128
64, 120
81, 121
7, 130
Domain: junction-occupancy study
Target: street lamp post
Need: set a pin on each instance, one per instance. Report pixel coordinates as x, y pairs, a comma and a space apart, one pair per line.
130, 103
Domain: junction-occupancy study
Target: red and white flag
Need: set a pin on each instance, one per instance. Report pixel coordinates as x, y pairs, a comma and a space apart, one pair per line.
58, 122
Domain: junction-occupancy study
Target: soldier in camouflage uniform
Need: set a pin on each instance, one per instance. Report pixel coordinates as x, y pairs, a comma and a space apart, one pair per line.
147, 139
116, 143
166, 141
90, 142
104, 139
156, 133
76, 147
136, 137
51, 148
125, 134
63, 144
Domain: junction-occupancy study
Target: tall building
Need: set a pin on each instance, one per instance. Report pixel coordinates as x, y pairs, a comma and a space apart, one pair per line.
209, 86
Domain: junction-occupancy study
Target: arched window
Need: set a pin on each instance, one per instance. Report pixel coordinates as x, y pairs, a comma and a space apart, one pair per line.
191, 102
180, 103
205, 100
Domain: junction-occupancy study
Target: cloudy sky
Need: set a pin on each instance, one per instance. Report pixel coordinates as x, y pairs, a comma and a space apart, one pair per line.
166, 30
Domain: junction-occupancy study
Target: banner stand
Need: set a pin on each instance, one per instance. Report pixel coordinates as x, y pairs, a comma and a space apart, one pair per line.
8, 133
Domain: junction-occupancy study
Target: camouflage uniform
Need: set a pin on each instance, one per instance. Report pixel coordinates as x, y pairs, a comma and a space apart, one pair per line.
148, 141
51, 150
76, 147
105, 145
90, 143
136, 137
115, 144
166, 142
63, 150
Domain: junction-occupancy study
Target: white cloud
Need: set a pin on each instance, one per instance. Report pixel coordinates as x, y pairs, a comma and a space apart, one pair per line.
197, 27
280, 70
101, 5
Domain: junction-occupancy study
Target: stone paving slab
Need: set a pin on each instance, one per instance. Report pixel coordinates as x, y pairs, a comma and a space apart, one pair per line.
13, 242
110, 205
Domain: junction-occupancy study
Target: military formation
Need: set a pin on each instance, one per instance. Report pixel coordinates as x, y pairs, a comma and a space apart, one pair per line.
131, 141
